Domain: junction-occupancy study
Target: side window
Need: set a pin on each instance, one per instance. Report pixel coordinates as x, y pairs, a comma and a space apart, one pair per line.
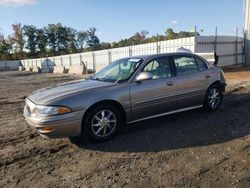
159, 68
152, 66
185, 65
201, 64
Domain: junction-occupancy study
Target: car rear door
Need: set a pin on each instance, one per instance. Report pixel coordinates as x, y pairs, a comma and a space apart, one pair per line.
192, 80
155, 96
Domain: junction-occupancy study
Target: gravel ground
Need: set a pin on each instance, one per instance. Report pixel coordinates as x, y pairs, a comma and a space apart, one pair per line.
190, 149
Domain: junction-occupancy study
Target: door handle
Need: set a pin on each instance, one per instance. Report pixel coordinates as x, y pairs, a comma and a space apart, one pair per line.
170, 83
208, 76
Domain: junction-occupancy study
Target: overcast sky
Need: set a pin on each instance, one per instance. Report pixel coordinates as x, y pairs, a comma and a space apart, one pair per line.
117, 19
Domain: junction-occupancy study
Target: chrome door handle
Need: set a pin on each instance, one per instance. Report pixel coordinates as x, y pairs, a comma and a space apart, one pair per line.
208, 76
170, 83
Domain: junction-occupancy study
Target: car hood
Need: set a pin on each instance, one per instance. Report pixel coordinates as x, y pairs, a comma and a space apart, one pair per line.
45, 95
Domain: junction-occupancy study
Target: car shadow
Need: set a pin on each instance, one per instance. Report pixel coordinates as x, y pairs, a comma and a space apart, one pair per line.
187, 129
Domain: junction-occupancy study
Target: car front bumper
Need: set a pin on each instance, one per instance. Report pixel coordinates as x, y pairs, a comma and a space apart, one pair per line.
66, 125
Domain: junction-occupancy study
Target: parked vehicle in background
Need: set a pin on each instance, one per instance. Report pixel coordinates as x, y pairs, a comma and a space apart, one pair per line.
126, 91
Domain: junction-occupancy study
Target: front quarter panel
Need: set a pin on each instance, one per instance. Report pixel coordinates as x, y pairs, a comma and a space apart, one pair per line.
81, 101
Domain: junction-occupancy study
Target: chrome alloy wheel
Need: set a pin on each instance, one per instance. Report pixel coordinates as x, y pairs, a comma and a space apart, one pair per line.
214, 98
103, 123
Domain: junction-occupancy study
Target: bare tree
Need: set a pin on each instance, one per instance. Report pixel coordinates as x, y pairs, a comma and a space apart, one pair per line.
18, 37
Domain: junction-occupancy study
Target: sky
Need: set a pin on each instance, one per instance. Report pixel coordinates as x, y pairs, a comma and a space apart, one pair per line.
118, 19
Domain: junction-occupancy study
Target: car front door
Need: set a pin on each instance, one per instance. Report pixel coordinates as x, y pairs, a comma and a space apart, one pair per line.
154, 96
192, 81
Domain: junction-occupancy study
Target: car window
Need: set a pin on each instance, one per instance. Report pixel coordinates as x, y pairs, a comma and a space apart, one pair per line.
185, 65
118, 71
159, 68
201, 64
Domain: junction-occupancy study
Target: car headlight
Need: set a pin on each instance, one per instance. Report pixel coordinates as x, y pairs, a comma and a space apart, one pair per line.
49, 110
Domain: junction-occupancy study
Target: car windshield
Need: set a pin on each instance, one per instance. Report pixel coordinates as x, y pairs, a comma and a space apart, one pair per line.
119, 71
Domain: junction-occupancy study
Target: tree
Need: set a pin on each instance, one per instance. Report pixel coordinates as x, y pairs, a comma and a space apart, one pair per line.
5, 47
183, 34
30, 33
62, 38
93, 41
170, 34
156, 38
72, 44
56, 39
105, 45
82, 37
18, 38
144, 34
138, 37
50, 31
41, 40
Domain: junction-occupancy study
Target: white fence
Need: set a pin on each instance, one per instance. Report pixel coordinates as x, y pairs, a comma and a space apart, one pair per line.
229, 50
9, 65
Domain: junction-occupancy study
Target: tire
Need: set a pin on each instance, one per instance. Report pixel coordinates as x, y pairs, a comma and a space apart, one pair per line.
213, 98
101, 123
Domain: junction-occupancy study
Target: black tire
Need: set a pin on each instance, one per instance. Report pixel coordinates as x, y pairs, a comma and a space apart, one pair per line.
211, 102
90, 131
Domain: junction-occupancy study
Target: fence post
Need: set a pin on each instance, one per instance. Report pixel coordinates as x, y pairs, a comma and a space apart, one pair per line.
195, 31
109, 56
215, 39
244, 47
70, 63
158, 48
130, 51
94, 63
80, 55
236, 46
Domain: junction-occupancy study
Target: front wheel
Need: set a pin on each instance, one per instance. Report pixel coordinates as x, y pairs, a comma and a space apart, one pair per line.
101, 123
213, 98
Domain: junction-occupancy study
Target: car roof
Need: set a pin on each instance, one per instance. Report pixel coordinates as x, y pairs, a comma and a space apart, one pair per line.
152, 56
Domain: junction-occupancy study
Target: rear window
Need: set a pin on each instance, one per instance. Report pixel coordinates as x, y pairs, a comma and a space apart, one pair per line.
185, 65
201, 64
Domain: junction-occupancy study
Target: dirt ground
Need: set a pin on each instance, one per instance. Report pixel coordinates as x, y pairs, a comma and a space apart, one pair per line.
190, 149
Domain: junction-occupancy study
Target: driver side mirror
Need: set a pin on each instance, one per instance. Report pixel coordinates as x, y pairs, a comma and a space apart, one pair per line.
144, 76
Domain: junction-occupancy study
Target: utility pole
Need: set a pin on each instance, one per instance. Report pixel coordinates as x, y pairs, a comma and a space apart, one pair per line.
247, 32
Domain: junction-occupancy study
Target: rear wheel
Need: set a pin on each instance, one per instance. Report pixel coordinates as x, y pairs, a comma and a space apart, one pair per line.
102, 123
213, 98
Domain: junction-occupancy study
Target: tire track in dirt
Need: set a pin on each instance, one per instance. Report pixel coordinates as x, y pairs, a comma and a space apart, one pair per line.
32, 153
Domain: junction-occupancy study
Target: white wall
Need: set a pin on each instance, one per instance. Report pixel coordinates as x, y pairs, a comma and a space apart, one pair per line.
9, 65
226, 49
